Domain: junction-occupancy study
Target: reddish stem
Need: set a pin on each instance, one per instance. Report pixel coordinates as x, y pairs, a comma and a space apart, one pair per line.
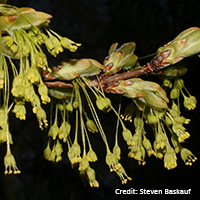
146, 69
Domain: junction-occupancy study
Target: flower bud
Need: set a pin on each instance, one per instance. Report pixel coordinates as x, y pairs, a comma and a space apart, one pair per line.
91, 126
58, 150
127, 135
47, 153
43, 91
69, 107
53, 131
20, 111
117, 151
174, 94
103, 104
179, 83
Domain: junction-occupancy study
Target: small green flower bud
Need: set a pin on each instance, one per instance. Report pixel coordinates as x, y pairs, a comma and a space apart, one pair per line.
179, 83
53, 131
127, 135
151, 118
174, 94
47, 153
103, 104
64, 131
43, 91
75, 104
167, 83
147, 145
69, 107
52, 155
91, 126
117, 151
58, 150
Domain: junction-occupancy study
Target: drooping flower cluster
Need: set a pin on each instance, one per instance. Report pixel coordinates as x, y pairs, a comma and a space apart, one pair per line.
20, 38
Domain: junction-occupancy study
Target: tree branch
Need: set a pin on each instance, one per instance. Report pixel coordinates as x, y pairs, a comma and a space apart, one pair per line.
104, 80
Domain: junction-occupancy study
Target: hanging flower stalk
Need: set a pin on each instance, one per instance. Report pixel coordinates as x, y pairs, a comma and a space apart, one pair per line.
21, 38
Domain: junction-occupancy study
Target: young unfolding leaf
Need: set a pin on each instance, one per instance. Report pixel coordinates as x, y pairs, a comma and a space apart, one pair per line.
184, 45
72, 68
17, 18
122, 57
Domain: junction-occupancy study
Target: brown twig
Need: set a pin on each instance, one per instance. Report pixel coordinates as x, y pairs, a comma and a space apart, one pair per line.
104, 80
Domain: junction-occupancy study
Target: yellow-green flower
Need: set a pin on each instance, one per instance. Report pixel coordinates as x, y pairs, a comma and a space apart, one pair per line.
112, 162
58, 151
123, 176
187, 156
43, 91
64, 131
33, 75
147, 145
41, 117
53, 131
20, 111
10, 164
190, 102
127, 135
91, 156
117, 151
84, 164
170, 159
91, 177
74, 153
